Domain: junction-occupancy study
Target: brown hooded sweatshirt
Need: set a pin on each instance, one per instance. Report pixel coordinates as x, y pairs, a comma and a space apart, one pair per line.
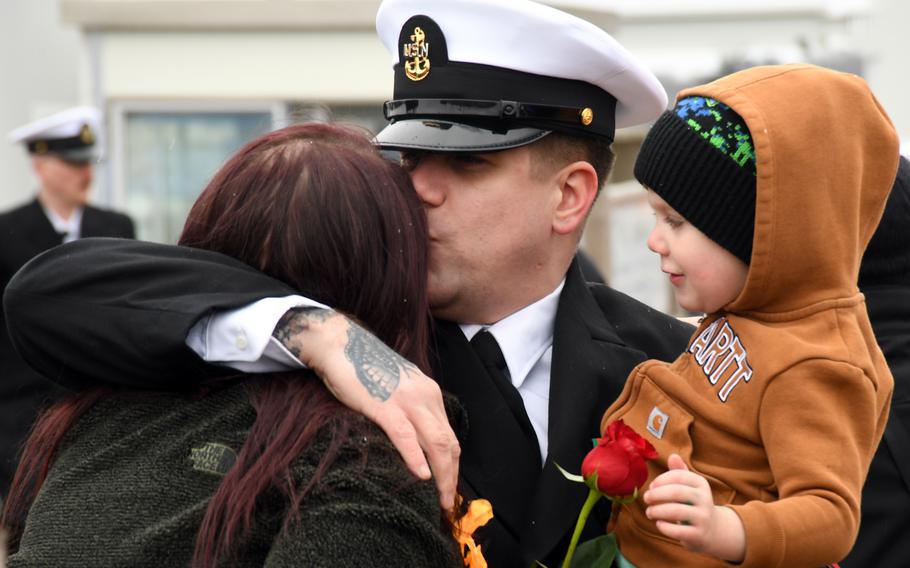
781, 398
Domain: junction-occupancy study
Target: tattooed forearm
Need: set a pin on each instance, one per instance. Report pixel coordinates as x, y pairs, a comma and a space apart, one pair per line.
296, 321
378, 367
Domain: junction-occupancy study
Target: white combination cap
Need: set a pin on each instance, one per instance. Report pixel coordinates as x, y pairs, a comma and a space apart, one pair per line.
70, 134
476, 75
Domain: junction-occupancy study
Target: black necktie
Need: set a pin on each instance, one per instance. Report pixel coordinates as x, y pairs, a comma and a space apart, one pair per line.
487, 349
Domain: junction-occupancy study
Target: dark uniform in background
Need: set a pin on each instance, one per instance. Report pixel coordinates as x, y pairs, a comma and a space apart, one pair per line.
27, 231
884, 278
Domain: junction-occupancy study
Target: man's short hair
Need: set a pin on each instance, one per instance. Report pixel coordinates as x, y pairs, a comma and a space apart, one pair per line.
557, 150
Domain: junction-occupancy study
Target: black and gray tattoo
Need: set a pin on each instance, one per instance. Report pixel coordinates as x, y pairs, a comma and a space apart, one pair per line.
378, 367
295, 321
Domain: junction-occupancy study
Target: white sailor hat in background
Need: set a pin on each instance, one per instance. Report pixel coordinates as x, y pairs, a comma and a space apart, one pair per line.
71, 134
483, 75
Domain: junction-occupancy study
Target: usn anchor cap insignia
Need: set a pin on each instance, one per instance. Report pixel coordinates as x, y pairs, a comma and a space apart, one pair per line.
86, 135
417, 56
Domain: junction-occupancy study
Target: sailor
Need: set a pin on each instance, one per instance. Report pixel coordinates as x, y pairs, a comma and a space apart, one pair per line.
63, 149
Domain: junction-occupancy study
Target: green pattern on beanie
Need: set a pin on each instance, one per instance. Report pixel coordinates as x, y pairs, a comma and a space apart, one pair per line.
720, 126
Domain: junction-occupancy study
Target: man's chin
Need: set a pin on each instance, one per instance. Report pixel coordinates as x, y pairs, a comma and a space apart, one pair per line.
438, 308
81, 200
443, 305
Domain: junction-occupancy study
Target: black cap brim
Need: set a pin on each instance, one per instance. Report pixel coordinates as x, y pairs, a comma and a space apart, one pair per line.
447, 136
77, 155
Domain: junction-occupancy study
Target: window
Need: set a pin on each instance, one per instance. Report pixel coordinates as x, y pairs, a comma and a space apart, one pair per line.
163, 158
164, 155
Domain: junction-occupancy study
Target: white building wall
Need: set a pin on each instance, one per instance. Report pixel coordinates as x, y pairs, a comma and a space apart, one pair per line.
41, 71
889, 61
333, 66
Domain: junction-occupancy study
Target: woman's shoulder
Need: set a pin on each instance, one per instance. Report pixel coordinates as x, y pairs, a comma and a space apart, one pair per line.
131, 417
134, 475
367, 485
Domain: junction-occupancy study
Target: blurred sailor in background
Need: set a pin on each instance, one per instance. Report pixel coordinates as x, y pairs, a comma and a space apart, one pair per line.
63, 149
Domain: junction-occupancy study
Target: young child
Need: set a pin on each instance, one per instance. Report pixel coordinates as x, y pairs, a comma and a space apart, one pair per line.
766, 185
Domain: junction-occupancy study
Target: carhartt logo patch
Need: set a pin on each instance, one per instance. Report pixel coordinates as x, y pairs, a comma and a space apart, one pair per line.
213, 458
657, 422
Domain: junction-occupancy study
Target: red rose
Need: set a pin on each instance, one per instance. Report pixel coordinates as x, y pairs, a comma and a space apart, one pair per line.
618, 461
614, 469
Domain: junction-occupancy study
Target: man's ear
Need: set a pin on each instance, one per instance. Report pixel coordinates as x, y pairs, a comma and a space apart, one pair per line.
578, 187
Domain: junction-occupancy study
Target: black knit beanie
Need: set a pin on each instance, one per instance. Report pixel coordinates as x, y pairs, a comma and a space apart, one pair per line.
887, 258
700, 159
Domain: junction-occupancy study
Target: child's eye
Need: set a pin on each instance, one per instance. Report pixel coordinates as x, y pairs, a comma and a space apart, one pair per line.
674, 222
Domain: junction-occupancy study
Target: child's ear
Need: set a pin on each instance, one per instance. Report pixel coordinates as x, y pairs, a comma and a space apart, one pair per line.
578, 186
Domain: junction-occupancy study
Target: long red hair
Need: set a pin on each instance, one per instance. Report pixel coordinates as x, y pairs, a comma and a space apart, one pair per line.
317, 207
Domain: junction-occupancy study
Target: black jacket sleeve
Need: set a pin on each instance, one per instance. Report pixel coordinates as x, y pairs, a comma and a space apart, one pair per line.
117, 311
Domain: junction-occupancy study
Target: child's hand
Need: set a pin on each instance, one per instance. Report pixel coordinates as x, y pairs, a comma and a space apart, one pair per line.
681, 504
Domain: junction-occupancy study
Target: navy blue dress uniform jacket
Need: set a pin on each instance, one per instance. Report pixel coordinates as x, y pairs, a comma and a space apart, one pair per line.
140, 320
24, 233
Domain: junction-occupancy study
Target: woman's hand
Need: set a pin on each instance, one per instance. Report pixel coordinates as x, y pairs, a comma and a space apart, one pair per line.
682, 506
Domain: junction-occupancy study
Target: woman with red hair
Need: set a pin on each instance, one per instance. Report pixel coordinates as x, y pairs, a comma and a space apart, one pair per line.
255, 469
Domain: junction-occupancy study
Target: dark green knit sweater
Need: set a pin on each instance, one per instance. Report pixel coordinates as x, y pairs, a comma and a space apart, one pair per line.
134, 476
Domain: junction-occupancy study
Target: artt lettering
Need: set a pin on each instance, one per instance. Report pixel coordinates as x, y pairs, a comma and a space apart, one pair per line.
720, 354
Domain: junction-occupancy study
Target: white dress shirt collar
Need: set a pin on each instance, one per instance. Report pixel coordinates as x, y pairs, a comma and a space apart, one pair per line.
524, 335
70, 227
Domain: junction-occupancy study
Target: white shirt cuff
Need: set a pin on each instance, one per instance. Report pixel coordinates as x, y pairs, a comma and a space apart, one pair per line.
242, 338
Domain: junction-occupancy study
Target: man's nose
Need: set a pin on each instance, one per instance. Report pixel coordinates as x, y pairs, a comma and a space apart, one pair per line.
428, 182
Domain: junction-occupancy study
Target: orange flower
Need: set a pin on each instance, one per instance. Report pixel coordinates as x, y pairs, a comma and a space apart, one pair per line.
479, 513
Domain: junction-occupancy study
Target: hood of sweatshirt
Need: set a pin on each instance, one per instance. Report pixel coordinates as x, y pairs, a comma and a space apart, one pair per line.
815, 210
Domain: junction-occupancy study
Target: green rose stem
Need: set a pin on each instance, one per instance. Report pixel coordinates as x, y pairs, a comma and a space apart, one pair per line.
625, 452
593, 497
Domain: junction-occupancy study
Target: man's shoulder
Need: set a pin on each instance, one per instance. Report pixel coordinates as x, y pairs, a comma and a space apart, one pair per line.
108, 213
107, 222
17, 213
621, 306
637, 323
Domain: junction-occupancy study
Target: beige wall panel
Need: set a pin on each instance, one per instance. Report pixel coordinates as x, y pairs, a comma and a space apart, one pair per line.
332, 66
221, 14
